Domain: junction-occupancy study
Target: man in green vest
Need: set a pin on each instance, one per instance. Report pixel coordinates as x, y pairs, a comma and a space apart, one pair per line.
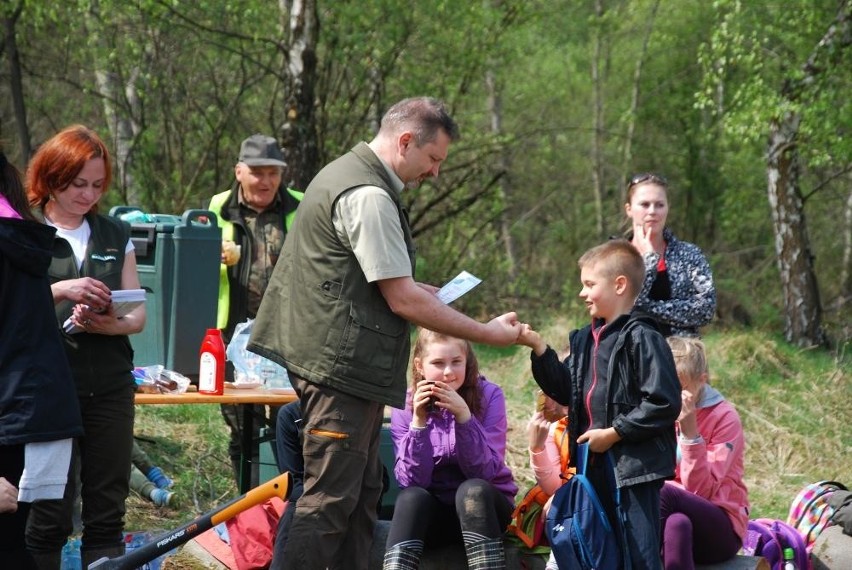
255, 215
337, 314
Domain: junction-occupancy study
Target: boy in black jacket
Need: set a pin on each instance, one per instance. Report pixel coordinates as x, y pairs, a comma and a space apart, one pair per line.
622, 390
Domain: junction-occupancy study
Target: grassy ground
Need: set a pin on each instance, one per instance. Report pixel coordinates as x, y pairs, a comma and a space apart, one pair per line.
794, 405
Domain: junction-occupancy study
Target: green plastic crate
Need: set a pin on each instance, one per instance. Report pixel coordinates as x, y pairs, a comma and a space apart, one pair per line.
178, 261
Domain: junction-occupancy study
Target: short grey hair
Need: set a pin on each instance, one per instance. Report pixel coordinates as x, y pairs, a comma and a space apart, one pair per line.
424, 116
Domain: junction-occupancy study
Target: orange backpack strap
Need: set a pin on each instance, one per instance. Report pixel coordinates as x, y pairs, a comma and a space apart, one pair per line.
560, 436
527, 510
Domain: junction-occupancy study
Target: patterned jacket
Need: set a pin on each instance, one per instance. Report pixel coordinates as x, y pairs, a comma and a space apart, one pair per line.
693, 294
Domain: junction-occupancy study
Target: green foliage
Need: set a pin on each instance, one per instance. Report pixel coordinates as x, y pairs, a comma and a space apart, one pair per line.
194, 78
754, 49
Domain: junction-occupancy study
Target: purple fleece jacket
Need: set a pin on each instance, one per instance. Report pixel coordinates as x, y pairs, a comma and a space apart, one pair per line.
444, 454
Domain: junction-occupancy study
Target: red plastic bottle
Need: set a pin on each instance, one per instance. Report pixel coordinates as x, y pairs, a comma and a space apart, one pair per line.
211, 369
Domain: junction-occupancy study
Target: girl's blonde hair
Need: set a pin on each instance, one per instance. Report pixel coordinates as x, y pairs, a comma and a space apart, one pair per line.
470, 388
689, 356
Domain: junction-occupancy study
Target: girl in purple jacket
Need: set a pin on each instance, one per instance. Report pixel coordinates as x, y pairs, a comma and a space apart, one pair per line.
450, 444
704, 510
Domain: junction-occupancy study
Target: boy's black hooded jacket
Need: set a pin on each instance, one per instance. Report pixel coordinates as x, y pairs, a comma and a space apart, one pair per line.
644, 397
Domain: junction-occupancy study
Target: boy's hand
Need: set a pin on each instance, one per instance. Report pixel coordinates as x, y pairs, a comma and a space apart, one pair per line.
529, 337
600, 440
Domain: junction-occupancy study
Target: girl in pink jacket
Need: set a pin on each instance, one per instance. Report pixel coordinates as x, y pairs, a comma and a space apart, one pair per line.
548, 433
704, 511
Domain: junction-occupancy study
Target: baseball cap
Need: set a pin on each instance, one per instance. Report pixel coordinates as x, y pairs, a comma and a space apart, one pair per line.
261, 150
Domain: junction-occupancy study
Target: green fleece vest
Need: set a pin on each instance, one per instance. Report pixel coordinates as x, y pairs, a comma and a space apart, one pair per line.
320, 318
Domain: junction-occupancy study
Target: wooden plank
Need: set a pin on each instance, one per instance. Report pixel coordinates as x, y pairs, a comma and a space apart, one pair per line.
453, 557
231, 396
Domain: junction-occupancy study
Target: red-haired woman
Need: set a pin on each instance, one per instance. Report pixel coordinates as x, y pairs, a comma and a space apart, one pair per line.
92, 256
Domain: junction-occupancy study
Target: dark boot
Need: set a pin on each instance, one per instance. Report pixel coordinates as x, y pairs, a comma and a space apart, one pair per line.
486, 554
49, 560
90, 556
403, 556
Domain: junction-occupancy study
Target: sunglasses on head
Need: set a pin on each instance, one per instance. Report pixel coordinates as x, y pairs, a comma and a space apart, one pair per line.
648, 177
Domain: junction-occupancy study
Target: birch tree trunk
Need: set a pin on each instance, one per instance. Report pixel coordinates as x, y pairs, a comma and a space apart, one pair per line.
300, 28
802, 309
119, 101
495, 109
123, 129
627, 153
598, 126
846, 267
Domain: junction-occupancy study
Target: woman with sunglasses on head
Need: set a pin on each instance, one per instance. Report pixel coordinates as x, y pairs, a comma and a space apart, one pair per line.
678, 290
92, 256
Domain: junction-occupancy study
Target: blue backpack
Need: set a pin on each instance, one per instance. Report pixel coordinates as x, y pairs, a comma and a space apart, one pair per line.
580, 533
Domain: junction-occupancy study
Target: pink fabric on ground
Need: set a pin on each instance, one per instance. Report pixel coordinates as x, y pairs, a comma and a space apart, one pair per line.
211, 542
252, 534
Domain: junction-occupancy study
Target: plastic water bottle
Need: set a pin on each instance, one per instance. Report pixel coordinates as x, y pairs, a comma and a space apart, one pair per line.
790, 559
134, 540
211, 369
71, 555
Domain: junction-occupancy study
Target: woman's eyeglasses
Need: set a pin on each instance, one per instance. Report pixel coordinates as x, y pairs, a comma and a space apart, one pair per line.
648, 177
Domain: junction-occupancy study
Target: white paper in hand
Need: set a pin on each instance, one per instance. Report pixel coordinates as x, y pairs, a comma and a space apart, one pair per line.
461, 284
123, 301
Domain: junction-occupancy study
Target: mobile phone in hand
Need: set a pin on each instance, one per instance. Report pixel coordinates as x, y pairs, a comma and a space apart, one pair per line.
430, 405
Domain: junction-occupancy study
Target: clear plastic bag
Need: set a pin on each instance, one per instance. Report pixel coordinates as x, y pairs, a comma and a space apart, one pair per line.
251, 368
154, 379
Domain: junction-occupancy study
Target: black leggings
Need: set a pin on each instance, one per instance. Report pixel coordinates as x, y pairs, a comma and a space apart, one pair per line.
13, 549
479, 509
